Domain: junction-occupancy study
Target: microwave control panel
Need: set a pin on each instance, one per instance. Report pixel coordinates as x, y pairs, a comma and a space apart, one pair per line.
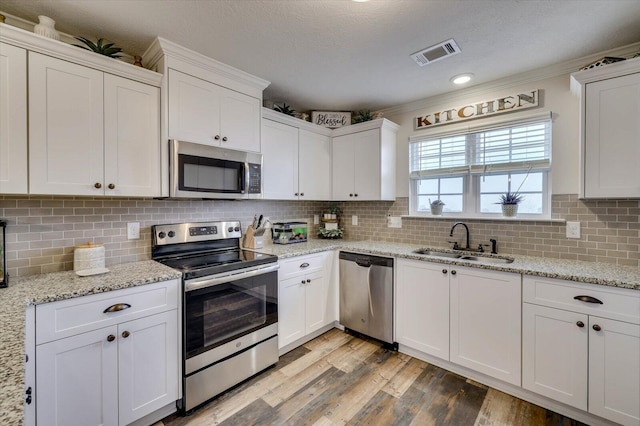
255, 178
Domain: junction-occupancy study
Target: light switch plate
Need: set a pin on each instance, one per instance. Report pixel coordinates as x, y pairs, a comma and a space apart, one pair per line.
573, 229
316, 219
133, 231
354, 220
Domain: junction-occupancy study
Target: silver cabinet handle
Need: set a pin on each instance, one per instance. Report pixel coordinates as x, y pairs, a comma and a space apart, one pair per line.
117, 307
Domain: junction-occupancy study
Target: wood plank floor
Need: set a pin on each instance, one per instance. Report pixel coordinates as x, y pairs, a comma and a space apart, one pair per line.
339, 379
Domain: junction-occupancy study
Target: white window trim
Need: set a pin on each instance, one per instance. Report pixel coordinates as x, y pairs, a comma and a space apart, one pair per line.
472, 196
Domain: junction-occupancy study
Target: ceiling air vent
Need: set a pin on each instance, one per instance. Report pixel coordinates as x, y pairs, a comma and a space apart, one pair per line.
436, 52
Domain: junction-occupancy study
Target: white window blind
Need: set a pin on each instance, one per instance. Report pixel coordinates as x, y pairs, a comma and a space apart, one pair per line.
517, 146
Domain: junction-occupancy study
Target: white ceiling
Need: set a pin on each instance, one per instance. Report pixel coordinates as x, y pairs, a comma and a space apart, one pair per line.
342, 55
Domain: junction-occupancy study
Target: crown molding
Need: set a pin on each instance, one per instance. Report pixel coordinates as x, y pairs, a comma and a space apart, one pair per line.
35, 43
528, 77
163, 47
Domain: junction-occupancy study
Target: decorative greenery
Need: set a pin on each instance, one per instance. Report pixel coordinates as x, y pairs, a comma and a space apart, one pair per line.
335, 210
330, 233
361, 116
100, 47
510, 198
436, 203
285, 109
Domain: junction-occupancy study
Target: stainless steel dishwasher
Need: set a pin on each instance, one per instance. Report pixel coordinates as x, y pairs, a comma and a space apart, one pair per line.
366, 295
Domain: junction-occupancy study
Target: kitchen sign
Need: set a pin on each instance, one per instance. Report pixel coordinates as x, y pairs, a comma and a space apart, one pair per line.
332, 120
501, 105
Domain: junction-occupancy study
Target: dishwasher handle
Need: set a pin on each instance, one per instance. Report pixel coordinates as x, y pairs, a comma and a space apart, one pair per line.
365, 263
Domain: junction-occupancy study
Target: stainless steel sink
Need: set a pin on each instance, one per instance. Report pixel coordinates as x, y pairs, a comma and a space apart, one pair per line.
428, 252
463, 256
487, 259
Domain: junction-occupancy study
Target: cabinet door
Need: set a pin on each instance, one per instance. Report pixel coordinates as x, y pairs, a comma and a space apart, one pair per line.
291, 310
148, 365
132, 138
77, 380
316, 295
614, 370
342, 158
554, 354
485, 322
239, 121
314, 155
13, 120
422, 307
65, 128
279, 161
194, 109
366, 165
612, 138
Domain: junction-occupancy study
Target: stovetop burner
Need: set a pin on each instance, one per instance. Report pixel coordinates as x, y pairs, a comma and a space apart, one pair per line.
204, 248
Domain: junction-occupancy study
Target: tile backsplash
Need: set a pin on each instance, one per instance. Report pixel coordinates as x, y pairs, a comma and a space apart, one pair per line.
42, 231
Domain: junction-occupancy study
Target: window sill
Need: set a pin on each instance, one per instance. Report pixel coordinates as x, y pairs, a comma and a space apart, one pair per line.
450, 216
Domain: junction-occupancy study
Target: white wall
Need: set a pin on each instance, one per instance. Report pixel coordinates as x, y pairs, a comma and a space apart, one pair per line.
554, 96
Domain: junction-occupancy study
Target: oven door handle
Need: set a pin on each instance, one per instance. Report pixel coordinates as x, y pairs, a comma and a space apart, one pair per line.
226, 277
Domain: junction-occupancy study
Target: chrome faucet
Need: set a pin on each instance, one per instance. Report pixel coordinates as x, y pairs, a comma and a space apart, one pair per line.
468, 247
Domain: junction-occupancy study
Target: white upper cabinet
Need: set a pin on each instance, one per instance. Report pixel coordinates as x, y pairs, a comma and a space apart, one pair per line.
280, 161
88, 131
314, 156
364, 161
13, 120
610, 130
296, 159
203, 112
66, 127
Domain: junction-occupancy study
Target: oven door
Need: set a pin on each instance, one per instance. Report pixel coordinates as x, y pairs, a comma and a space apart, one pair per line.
221, 309
202, 171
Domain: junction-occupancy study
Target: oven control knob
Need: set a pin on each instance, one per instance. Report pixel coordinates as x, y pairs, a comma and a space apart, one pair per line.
162, 235
171, 234
237, 229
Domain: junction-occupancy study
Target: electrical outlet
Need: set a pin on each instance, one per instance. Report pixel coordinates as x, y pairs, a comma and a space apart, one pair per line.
316, 219
573, 229
394, 222
133, 231
354, 220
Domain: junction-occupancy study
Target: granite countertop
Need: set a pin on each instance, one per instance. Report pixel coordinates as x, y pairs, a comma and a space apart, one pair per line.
45, 288
39, 289
572, 270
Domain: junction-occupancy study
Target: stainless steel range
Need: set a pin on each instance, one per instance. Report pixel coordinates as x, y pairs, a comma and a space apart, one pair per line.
230, 309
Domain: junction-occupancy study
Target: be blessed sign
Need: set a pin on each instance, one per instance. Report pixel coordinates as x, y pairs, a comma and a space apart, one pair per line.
330, 119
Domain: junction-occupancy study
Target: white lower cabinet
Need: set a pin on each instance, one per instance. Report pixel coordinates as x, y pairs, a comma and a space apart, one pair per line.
485, 322
115, 374
581, 346
306, 296
422, 306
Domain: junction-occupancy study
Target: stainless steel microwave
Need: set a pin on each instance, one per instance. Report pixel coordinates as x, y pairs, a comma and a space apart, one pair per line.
204, 171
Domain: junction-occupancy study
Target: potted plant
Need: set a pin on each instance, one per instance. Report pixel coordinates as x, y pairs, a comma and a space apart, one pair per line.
106, 49
285, 109
436, 207
509, 202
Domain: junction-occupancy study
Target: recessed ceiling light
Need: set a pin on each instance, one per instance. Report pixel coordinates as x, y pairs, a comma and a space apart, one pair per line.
461, 78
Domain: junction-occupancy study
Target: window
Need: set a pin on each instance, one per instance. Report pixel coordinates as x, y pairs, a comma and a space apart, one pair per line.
469, 170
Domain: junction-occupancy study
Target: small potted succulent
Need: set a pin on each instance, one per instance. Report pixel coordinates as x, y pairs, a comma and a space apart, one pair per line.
436, 207
285, 109
509, 202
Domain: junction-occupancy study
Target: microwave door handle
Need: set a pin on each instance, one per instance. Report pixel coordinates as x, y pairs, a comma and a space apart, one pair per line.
243, 178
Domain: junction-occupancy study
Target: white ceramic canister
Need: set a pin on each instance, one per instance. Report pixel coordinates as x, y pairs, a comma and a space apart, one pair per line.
88, 257
46, 28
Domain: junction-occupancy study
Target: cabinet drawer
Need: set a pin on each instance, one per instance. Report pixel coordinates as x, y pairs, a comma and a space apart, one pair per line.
66, 318
617, 303
301, 265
